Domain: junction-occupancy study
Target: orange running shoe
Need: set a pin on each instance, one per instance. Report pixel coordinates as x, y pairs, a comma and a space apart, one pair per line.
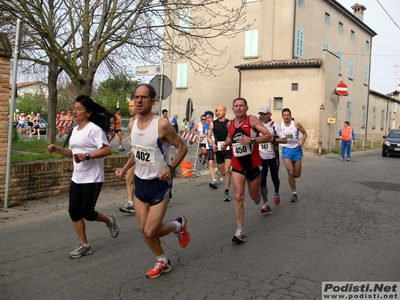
277, 199
159, 268
183, 234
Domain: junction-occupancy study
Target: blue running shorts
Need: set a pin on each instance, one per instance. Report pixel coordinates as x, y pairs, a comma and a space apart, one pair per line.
294, 154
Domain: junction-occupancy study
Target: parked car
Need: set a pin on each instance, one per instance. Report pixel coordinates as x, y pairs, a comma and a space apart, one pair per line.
124, 123
391, 143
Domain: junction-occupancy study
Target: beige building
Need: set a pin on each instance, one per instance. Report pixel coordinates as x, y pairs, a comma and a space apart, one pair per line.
294, 55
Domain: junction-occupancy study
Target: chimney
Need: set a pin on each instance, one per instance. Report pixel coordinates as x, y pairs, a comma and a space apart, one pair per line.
358, 11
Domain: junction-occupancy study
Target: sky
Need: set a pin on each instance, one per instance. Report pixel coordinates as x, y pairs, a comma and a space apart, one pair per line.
385, 76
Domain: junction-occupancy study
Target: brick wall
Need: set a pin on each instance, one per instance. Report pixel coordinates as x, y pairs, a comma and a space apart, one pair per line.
5, 56
41, 179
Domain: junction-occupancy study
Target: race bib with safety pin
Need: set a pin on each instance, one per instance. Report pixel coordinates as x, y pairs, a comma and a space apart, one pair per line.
241, 150
290, 135
219, 146
265, 147
144, 155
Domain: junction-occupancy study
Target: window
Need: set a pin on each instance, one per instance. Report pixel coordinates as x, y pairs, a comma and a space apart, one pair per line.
278, 103
295, 86
366, 73
367, 46
300, 44
340, 28
351, 68
340, 54
352, 35
182, 75
251, 43
390, 121
301, 4
326, 46
327, 19
382, 119
364, 116
349, 110
373, 117
184, 19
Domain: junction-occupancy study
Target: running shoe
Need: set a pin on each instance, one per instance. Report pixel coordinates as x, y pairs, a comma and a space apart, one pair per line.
294, 198
265, 208
213, 184
220, 177
239, 236
80, 251
204, 164
348, 159
121, 149
127, 208
341, 158
159, 268
227, 198
113, 226
183, 234
277, 199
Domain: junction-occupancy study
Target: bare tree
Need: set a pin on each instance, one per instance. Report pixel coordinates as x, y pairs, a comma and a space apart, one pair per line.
78, 36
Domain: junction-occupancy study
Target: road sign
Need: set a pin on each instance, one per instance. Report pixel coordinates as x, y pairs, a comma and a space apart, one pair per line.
341, 89
167, 86
149, 70
331, 120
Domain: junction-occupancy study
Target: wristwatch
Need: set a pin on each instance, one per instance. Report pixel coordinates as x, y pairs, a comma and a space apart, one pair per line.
87, 156
171, 168
253, 140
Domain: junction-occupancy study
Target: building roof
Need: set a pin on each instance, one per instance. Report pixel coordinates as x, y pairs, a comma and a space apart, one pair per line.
28, 83
388, 97
286, 63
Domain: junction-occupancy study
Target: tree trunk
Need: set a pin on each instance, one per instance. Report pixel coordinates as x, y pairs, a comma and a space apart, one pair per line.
54, 72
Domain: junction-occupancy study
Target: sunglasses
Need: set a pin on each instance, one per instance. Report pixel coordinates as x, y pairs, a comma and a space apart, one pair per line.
203, 119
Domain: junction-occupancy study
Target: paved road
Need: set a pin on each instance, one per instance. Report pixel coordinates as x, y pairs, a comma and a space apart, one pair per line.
345, 227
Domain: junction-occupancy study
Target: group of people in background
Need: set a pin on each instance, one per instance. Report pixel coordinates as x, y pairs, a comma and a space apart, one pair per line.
31, 122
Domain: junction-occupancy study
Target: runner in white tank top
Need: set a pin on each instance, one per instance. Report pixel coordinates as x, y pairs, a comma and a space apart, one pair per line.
153, 181
292, 152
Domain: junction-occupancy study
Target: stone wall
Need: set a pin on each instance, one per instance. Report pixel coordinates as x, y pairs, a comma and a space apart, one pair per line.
41, 179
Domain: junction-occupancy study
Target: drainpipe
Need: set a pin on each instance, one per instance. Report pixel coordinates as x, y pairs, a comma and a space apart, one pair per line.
240, 82
369, 81
294, 29
321, 127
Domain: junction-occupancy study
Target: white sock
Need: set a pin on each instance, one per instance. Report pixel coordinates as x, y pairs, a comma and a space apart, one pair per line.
130, 202
178, 226
163, 258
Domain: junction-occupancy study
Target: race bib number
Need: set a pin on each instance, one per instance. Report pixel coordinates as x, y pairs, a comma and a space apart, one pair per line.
265, 147
144, 155
240, 150
219, 146
290, 136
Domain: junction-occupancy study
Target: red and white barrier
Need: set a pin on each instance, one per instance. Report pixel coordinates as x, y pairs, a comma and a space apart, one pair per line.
64, 123
193, 137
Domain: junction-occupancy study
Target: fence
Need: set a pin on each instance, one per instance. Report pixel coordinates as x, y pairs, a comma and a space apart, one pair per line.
191, 156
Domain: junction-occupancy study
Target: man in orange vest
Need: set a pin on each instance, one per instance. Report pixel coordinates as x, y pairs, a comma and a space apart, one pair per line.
346, 135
